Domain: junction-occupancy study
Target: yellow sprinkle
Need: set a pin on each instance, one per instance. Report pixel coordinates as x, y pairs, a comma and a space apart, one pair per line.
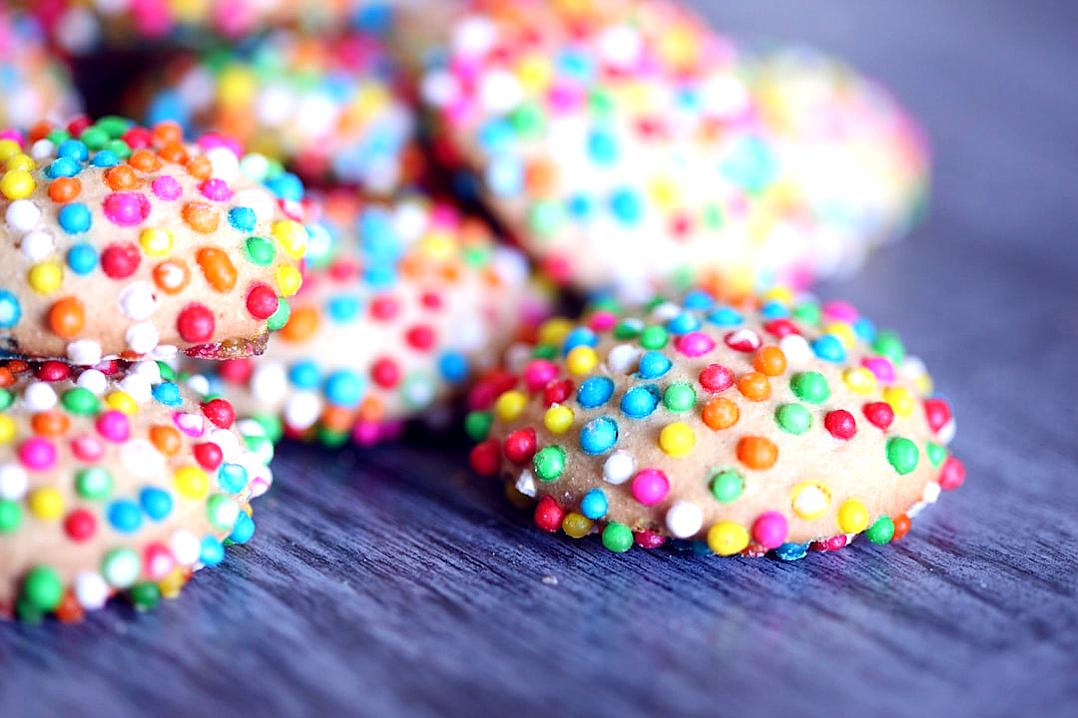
236, 86
852, 517
437, 245
288, 280
20, 162
677, 439
510, 405
7, 429
923, 382
534, 73
860, 380
900, 399
17, 184
843, 332
558, 419
45, 277
727, 538
553, 331
8, 148
664, 193
156, 242
576, 525
779, 294
191, 482
171, 584
292, 236
122, 401
46, 503
581, 360
810, 499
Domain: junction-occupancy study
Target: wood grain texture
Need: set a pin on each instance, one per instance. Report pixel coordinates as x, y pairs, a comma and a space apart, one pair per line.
387, 582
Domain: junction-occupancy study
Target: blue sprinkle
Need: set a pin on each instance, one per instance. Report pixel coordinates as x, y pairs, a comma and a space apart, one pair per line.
212, 552
380, 275
594, 504
63, 167
343, 308
598, 435
775, 310
305, 375
344, 388
379, 238
496, 136
168, 106
602, 147
640, 401
575, 64
579, 206
75, 217
505, 176
157, 503
626, 205
751, 165
579, 337
167, 393
243, 529
829, 348
73, 149
286, 186
792, 551
10, 311
454, 367
725, 317
683, 323
698, 299
105, 158
232, 478
594, 391
242, 219
125, 516
82, 258
653, 364
865, 329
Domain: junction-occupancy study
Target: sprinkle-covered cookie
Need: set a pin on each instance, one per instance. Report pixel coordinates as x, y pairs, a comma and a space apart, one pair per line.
401, 304
626, 146
33, 84
120, 240
82, 26
776, 426
331, 107
115, 481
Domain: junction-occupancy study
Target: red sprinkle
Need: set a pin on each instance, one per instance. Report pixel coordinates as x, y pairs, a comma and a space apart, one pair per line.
485, 457
879, 414
208, 455
548, 515
120, 260
715, 378
195, 323
841, 424
80, 525
953, 474
219, 412
520, 445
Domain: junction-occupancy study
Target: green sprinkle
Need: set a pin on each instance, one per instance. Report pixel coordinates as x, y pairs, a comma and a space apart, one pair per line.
271, 424
42, 588
627, 329
936, 454
888, 344
545, 351
546, 217
654, 337
280, 317
58, 136
80, 401
679, 397
808, 313
113, 125
145, 596
902, 454
10, 516
549, 462
259, 250
167, 372
6, 399
331, 438
810, 386
94, 482
793, 418
528, 119
617, 537
727, 485
94, 138
219, 509
118, 148
882, 531
477, 424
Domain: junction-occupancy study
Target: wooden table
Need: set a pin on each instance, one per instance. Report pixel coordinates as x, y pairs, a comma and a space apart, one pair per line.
388, 582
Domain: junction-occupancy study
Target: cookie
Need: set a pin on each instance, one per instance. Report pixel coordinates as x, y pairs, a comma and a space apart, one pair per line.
120, 240
776, 426
115, 480
33, 84
402, 303
625, 146
331, 108
82, 26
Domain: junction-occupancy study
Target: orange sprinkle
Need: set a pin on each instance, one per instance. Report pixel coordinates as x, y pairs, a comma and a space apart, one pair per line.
902, 527
173, 152
754, 386
69, 610
201, 217
756, 452
540, 177
6, 377
121, 177
167, 133
64, 189
165, 439
144, 161
50, 423
301, 325
17, 366
217, 268
372, 408
720, 413
199, 167
171, 276
770, 360
336, 418
67, 317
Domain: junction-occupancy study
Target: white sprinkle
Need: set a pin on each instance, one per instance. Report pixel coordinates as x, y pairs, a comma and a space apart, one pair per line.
13, 482
37, 246
684, 519
91, 590
94, 381
22, 215
619, 467
84, 352
526, 483
39, 396
185, 547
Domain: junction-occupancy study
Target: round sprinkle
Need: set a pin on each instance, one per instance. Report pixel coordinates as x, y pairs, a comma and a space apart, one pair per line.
757, 452
793, 418
599, 435
617, 537
769, 529
727, 538
677, 439
549, 463
594, 505
720, 413
810, 386
881, 531
727, 486
852, 516
650, 486
902, 454
840, 424
679, 397
618, 467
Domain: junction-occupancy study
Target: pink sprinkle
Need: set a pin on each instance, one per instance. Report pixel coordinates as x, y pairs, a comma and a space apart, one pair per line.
216, 189
650, 486
539, 373
602, 321
694, 344
126, 209
292, 209
212, 140
190, 424
157, 560
648, 539
87, 448
743, 340
881, 367
444, 214
113, 426
769, 529
166, 188
12, 134
565, 98
840, 312
37, 453
151, 17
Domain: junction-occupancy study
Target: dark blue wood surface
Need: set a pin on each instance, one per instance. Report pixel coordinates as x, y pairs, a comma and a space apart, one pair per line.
388, 582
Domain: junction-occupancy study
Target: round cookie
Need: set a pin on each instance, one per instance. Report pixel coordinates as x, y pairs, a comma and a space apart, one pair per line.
331, 108
774, 426
625, 146
33, 84
115, 480
401, 304
120, 240
83, 26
